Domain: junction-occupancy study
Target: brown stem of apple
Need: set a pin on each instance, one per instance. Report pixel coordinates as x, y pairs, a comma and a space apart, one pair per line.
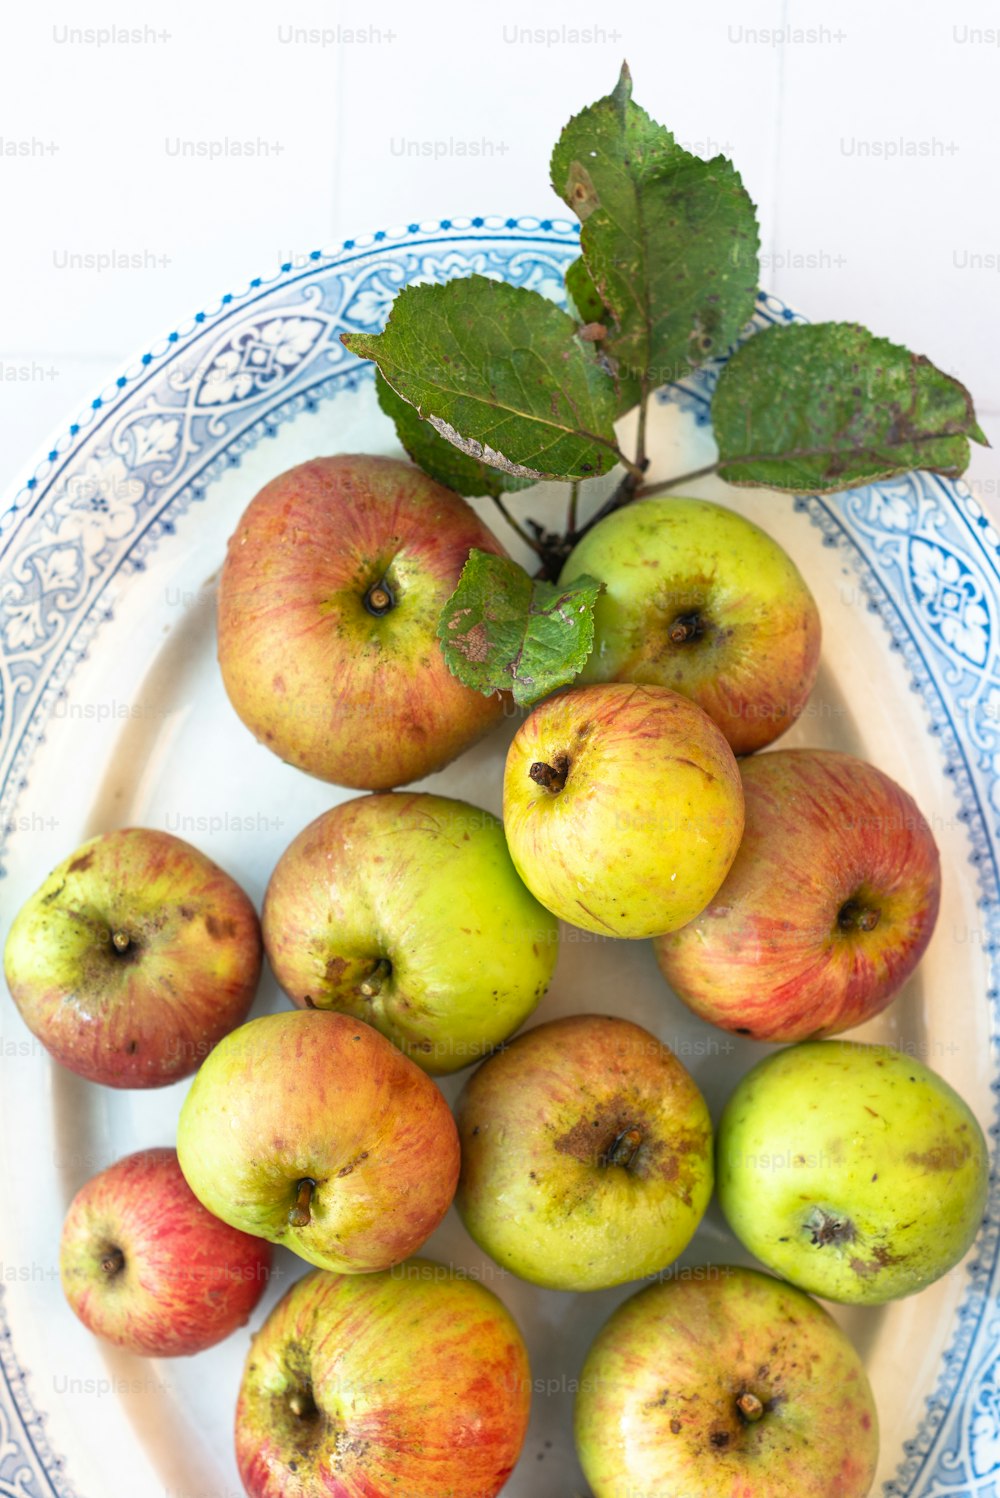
686, 627
113, 1262
379, 600
856, 916
551, 777
121, 941
371, 986
300, 1215
625, 1148
750, 1407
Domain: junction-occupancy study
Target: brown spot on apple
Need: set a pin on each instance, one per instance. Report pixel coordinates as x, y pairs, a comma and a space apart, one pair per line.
217, 929
334, 970
941, 1157
81, 864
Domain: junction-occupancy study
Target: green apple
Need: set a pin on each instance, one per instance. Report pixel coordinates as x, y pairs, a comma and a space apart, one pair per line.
699, 599
725, 1384
404, 909
329, 601
134, 958
623, 808
413, 1383
310, 1129
851, 1169
586, 1154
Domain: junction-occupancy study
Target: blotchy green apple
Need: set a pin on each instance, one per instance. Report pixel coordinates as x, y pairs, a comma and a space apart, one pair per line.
413, 1383
586, 1154
134, 958
406, 911
699, 599
853, 1170
623, 808
727, 1384
827, 909
329, 600
308, 1128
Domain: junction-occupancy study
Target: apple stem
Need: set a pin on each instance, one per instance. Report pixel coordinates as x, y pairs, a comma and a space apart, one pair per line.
625, 1148
113, 1262
371, 986
854, 916
300, 1216
121, 941
686, 627
750, 1407
552, 777
379, 600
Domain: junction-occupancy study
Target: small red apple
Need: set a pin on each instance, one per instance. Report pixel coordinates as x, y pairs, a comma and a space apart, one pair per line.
145, 1266
329, 601
827, 909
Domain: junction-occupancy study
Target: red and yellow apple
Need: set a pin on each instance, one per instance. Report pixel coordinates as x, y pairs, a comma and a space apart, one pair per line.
134, 958
827, 909
329, 600
145, 1266
308, 1128
623, 808
413, 1382
699, 599
725, 1384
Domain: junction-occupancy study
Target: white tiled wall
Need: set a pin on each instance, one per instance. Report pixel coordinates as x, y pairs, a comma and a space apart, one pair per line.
866, 132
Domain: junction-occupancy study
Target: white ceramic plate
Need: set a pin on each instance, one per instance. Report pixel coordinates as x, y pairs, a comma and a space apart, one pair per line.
112, 712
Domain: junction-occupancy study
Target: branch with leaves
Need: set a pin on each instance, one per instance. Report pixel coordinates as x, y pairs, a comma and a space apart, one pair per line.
492, 387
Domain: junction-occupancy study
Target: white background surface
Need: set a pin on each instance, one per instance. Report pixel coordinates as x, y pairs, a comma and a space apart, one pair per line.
907, 243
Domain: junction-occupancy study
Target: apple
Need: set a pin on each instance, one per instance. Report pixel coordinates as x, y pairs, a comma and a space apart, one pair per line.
623, 808
134, 958
725, 1383
413, 1382
404, 909
310, 1129
827, 909
329, 600
851, 1169
145, 1266
699, 599
586, 1154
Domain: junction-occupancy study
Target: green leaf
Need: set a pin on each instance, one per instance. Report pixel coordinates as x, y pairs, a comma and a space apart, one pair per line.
444, 462
605, 154
502, 631
500, 372
819, 407
586, 302
670, 241
585, 299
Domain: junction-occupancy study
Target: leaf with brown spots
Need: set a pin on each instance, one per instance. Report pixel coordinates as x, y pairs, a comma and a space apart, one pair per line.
502, 631
669, 241
819, 407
